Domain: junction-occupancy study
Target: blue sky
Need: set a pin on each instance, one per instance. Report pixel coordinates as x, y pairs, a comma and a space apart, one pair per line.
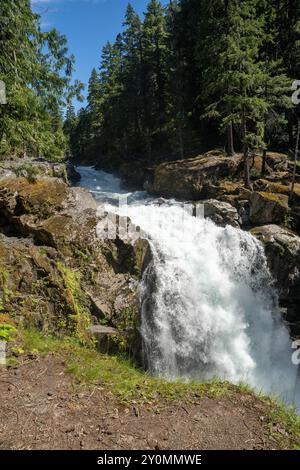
88, 25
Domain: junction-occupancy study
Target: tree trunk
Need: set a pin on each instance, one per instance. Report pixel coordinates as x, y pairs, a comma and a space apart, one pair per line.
295, 161
149, 145
125, 143
246, 154
290, 126
230, 144
264, 158
247, 168
181, 142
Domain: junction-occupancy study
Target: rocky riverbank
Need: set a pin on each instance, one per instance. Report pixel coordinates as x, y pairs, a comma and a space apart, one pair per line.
215, 176
56, 273
56, 268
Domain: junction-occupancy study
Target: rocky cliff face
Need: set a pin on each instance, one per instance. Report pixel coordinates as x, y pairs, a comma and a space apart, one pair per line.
55, 272
32, 169
191, 179
282, 248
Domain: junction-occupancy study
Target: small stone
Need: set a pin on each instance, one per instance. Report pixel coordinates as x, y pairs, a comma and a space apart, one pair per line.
152, 442
70, 429
197, 417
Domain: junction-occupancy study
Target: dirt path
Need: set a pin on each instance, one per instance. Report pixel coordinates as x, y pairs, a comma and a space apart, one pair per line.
42, 407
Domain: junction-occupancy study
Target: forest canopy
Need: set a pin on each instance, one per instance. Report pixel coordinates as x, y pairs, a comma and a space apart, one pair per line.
192, 75
186, 77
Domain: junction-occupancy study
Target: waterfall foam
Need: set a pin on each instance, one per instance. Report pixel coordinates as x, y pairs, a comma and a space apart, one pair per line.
209, 306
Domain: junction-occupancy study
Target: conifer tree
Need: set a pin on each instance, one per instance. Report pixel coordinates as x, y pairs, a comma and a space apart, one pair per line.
175, 111
154, 71
36, 68
94, 112
133, 81
111, 87
287, 21
233, 76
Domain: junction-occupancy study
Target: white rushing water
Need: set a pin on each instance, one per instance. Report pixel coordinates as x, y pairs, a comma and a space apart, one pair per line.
209, 307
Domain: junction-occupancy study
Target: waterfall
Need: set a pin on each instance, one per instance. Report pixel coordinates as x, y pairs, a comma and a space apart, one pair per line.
209, 306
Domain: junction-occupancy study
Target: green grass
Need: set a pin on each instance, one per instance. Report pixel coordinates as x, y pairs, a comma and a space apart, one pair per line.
128, 384
284, 416
119, 375
80, 317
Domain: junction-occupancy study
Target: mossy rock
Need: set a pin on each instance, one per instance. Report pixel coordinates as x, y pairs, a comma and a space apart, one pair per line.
277, 161
268, 208
282, 248
42, 197
188, 179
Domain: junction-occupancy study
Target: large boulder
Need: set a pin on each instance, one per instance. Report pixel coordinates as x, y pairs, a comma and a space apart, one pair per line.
136, 174
222, 213
277, 161
278, 188
266, 208
191, 179
42, 197
282, 248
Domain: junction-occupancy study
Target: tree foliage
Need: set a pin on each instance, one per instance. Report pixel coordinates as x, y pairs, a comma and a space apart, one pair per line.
36, 69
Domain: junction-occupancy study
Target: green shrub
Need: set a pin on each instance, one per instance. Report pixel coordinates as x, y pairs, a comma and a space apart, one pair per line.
7, 332
28, 171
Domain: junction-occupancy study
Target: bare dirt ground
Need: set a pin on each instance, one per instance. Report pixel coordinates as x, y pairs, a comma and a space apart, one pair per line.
42, 407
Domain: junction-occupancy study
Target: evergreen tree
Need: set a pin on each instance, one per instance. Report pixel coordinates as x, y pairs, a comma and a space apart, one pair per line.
70, 125
133, 81
94, 112
93, 91
155, 54
176, 114
276, 89
233, 75
111, 88
37, 70
287, 21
